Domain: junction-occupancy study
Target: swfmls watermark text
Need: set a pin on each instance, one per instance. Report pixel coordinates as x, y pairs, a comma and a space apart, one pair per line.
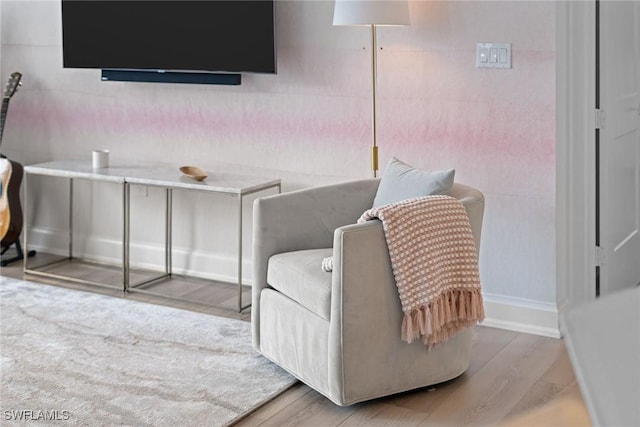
35, 415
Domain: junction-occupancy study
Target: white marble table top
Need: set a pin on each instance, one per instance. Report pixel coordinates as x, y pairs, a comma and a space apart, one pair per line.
220, 181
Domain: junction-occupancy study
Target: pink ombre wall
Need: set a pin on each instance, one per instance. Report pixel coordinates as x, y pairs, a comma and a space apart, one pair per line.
310, 123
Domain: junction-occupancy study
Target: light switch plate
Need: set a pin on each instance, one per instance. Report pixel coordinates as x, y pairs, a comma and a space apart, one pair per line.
493, 55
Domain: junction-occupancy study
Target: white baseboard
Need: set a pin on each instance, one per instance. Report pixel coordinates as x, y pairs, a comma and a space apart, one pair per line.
202, 264
521, 315
514, 314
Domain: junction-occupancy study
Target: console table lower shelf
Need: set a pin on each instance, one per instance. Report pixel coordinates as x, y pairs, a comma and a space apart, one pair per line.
138, 280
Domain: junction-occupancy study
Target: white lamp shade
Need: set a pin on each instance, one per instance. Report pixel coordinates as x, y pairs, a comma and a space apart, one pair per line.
371, 12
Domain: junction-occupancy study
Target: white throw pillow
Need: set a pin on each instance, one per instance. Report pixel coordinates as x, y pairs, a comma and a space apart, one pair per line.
401, 181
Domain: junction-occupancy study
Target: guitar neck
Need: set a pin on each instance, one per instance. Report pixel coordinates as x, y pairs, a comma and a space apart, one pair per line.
3, 116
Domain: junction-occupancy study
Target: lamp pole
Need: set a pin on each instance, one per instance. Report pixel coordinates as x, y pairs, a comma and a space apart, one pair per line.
372, 13
374, 79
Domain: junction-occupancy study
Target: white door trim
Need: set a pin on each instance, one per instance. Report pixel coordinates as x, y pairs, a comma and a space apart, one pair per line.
575, 152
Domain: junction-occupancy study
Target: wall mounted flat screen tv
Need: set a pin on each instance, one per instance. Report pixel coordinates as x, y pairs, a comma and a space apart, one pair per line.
236, 36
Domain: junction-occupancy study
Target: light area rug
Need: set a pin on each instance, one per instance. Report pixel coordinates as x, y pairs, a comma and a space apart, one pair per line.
86, 359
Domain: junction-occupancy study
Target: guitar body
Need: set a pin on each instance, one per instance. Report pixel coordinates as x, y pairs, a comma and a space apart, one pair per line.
5, 213
11, 220
10, 179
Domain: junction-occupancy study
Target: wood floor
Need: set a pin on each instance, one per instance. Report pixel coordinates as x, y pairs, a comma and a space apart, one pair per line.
511, 374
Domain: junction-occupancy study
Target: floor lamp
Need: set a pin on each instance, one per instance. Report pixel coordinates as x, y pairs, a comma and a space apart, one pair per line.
372, 13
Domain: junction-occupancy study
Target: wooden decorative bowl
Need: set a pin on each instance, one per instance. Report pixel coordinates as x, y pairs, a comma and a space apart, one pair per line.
193, 172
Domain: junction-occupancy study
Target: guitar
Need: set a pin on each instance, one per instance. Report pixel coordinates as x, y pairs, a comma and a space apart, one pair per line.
5, 216
10, 178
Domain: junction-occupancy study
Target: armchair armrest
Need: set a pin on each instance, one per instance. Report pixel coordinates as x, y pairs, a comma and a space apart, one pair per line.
363, 298
303, 219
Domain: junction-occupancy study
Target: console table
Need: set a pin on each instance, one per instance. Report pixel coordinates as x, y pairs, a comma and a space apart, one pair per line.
161, 176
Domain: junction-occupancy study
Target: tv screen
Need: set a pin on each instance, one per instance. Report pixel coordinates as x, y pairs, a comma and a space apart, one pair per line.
202, 35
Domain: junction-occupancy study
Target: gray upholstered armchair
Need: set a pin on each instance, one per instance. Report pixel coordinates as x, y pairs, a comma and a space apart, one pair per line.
339, 332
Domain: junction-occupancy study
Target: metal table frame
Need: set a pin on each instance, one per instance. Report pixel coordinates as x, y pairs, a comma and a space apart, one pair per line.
154, 176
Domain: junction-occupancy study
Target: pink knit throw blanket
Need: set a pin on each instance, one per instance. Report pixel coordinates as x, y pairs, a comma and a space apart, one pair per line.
435, 265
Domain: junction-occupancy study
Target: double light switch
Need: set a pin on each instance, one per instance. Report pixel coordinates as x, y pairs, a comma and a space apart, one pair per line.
493, 55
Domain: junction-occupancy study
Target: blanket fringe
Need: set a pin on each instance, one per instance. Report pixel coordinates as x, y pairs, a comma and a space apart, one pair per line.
443, 316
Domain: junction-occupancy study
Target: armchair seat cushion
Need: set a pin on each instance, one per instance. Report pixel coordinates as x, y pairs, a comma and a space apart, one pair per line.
299, 276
